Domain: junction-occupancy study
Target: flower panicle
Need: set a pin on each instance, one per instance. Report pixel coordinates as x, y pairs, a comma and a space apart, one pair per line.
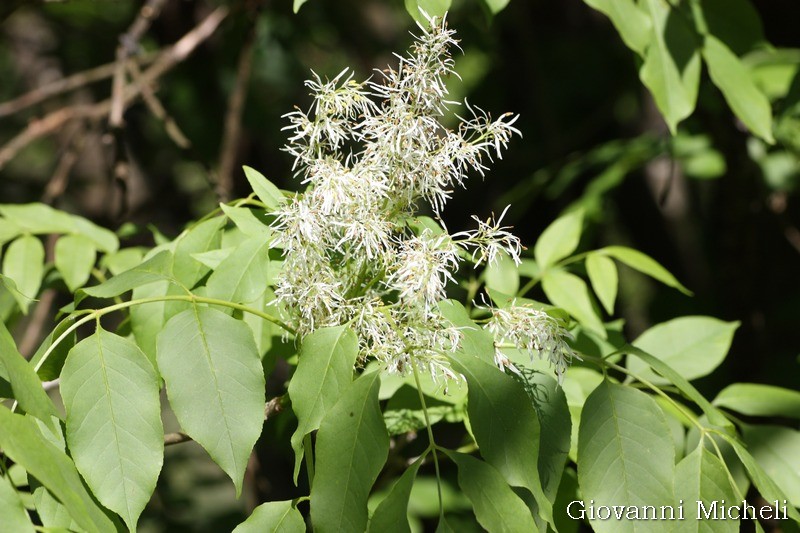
370, 153
532, 330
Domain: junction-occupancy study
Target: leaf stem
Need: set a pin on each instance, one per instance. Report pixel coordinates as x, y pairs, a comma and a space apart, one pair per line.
309, 457
607, 364
96, 314
432, 444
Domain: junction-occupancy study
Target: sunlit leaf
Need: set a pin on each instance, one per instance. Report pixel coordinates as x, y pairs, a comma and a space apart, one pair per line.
273, 517
264, 189
156, 268
215, 384
352, 447
324, 370
75, 257
559, 239
755, 399
433, 8
692, 345
241, 276
644, 264
571, 293
508, 438
603, 275
502, 275
626, 456
24, 264
392, 512
766, 486
737, 86
633, 26
27, 387
776, 449
671, 68
114, 430
686, 388
701, 477
12, 510
22, 441
496, 506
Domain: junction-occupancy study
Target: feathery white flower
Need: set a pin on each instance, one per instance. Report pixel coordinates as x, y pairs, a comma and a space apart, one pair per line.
533, 330
369, 153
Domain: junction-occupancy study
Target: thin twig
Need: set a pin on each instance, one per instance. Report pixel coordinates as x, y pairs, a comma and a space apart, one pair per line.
165, 62
58, 181
38, 321
128, 45
67, 84
157, 109
233, 118
273, 407
33, 331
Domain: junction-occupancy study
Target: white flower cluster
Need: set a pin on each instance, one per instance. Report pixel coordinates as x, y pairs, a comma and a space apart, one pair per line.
526, 328
370, 153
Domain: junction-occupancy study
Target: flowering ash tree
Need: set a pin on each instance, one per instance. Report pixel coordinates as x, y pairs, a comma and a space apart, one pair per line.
356, 281
372, 154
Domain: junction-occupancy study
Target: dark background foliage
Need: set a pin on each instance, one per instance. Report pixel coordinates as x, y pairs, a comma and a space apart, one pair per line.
725, 225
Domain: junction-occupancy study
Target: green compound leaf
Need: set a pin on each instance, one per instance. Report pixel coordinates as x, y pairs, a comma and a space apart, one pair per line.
508, 438
392, 513
738, 87
201, 237
687, 389
51, 512
702, 477
114, 431
760, 400
38, 218
496, 6
626, 455
603, 275
766, 486
776, 449
434, 8
324, 370
734, 22
264, 189
632, 24
273, 517
550, 404
103, 239
352, 447
240, 277
644, 264
502, 275
8, 231
148, 320
14, 516
215, 384
75, 257
559, 239
475, 342
571, 293
23, 442
249, 221
156, 268
692, 345
496, 506
671, 68
50, 368
25, 384
24, 264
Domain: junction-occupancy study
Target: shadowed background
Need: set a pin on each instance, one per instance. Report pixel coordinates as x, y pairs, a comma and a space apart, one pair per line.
716, 208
